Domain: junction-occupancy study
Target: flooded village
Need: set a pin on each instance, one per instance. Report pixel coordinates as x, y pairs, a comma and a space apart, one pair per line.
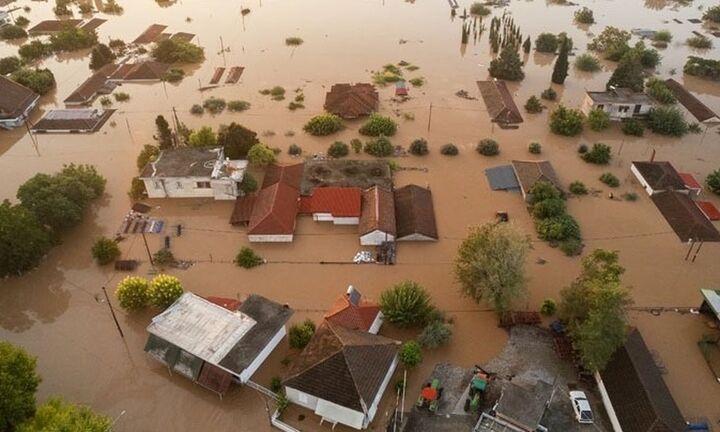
385, 215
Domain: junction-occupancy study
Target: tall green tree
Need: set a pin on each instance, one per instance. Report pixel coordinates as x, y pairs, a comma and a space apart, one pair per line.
18, 384
507, 65
560, 71
237, 140
203, 137
628, 74
164, 134
23, 240
56, 415
490, 265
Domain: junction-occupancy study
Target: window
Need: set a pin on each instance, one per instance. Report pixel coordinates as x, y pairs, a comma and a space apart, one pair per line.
178, 185
623, 109
202, 185
158, 184
601, 107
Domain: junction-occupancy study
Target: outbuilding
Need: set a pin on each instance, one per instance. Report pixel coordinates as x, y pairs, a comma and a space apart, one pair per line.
619, 103
528, 173
275, 208
16, 103
352, 101
339, 205
356, 313
377, 220
658, 176
415, 214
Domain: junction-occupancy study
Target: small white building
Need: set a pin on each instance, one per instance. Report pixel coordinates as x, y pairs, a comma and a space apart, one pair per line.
621, 103
194, 173
342, 374
377, 220
16, 103
213, 345
657, 177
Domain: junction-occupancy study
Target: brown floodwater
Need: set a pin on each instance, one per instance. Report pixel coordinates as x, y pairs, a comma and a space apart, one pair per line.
56, 312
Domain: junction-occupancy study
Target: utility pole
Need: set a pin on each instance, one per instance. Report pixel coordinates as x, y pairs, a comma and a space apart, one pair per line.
429, 116
222, 49
177, 128
697, 251
147, 248
32, 138
112, 312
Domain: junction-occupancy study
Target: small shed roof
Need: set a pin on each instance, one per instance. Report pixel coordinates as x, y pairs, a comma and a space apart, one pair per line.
620, 96
291, 175
14, 98
352, 101
690, 181
274, 211
639, 396
414, 212
502, 178
80, 120
709, 210
378, 211
524, 407
52, 26
698, 109
143, 71
91, 86
184, 162
660, 175
243, 209
530, 172
685, 218
499, 102
353, 311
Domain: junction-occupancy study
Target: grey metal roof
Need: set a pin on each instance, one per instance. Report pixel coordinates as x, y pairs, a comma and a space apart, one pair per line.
502, 178
183, 162
522, 406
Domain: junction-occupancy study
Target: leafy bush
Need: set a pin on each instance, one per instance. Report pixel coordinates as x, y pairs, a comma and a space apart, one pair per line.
105, 101
479, 9
356, 145
197, 109
578, 188
203, 137
238, 106
630, 196
633, 127
22, 21
713, 182
295, 150
549, 94
261, 155
558, 228
177, 51
660, 91
611, 42
548, 208
548, 307
164, 257
488, 147
34, 50
662, 36
293, 41
12, 31
419, 147
587, 63
598, 119
406, 304
410, 354
566, 121
247, 258
105, 251
377, 125
338, 149
133, 293
214, 105
435, 334
276, 384
121, 96
507, 65
9, 65
100, 56
665, 120
712, 14
73, 38
533, 105
299, 335
164, 290
417, 82
582, 149
41, 81
629, 73
699, 42
19, 384
542, 191
323, 124
449, 150
610, 179
173, 75
571, 246
24, 240
137, 189
535, 148
696, 66
600, 154
584, 16
248, 184
380, 147
547, 43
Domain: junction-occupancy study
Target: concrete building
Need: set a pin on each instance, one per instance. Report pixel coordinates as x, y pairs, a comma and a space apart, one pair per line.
621, 103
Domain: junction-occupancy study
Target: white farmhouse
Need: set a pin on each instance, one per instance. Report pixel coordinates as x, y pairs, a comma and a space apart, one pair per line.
194, 173
342, 375
620, 103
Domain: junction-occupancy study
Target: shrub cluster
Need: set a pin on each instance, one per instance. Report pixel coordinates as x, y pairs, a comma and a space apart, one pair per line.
323, 124
338, 149
247, 258
380, 147
488, 147
419, 147
136, 293
552, 222
378, 125
600, 154
299, 335
449, 150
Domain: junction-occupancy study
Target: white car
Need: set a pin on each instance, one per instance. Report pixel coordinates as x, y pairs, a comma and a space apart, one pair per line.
581, 406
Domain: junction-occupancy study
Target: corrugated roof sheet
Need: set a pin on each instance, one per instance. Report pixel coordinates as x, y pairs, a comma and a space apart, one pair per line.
502, 178
698, 109
660, 175
685, 218
14, 98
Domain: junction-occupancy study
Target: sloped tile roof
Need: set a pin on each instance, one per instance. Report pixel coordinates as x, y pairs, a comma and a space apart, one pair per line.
698, 109
414, 212
660, 175
351, 101
91, 86
378, 211
338, 201
531, 172
14, 98
343, 366
685, 218
353, 316
274, 211
499, 102
289, 174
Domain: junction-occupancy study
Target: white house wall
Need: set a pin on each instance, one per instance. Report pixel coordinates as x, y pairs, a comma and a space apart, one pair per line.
328, 217
375, 238
177, 187
377, 323
642, 181
613, 109
335, 413
608, 405
18, 121
270, 238
373, 408
301, 398
263, 355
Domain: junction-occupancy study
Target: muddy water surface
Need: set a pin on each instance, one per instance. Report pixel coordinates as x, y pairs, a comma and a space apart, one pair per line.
57, 312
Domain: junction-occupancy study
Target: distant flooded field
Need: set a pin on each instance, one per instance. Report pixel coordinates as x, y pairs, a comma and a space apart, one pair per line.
57, 311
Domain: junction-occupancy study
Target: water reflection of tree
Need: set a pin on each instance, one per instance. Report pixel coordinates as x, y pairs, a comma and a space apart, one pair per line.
40, 296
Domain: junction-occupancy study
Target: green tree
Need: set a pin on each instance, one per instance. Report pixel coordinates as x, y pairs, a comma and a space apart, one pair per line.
72, 38
406, 304
237, 140
435, 334
100, 56
148, 154
18, 384
177, 51
628, 73
378, 125
712, 14
660, 91
546, 43
560, 70
600, 154
490, 265
9, 65
612, 43
713, 182
247, 258
507, 65
34, 50
133, 293
203, 137
23, 240
338, 149
300, 335
41, 81
323, 124
584, 16
667, 120
527, 45
164, 134
702, 68
105, 250
419, 147
410, 354
248, 184
587, 63
566, 121
533, 105
164, 290
261, 155
12, 31
598, 119
57, 415
381, 147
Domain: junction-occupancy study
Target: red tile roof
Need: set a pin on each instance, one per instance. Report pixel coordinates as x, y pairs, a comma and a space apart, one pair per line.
354, 317
338, 201
275, 210
378, 211
227, 303
351, 101
289, 174
690, 181
709, 210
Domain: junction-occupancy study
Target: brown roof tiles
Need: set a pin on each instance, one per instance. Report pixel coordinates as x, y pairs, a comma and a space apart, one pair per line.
378, 211
499, 102
414, 212
14, 98
352, 101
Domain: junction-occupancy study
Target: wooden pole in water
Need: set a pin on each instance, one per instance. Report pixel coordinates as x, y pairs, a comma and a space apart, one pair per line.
697, 251
692, 243
147, 248
127, 122
222, 49
112, 312
430, 117
32, 138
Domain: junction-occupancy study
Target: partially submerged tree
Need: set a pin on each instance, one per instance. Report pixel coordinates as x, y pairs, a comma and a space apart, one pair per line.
100, 56
203, 137
299, 335
406, 304
164, 290
23, 240
261, 155
105, 251
133, 293
628, 74
164, 134
57, 415
236, 140
18, 384
713, 182
490, 265
566, 121
41, 81
507, 65
560, 70
435, 334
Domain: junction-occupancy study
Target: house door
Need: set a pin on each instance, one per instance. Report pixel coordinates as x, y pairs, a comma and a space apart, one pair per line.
637, 109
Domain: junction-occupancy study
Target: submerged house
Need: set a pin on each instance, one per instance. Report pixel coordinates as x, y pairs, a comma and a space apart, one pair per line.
213, 345
193, 173
377, 220
275, 207
691, 103
339, 205
414, 214
73, 120
634, 394
500, 104
656, 177
352, 101
16, 103
96, 85
352, 311
342, 374
530, 172
619, 103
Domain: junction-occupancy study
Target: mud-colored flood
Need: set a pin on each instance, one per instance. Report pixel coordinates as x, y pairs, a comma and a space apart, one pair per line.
57, 312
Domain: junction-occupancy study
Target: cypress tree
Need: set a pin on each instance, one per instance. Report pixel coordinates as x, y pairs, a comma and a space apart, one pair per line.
560, 71
526, 45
